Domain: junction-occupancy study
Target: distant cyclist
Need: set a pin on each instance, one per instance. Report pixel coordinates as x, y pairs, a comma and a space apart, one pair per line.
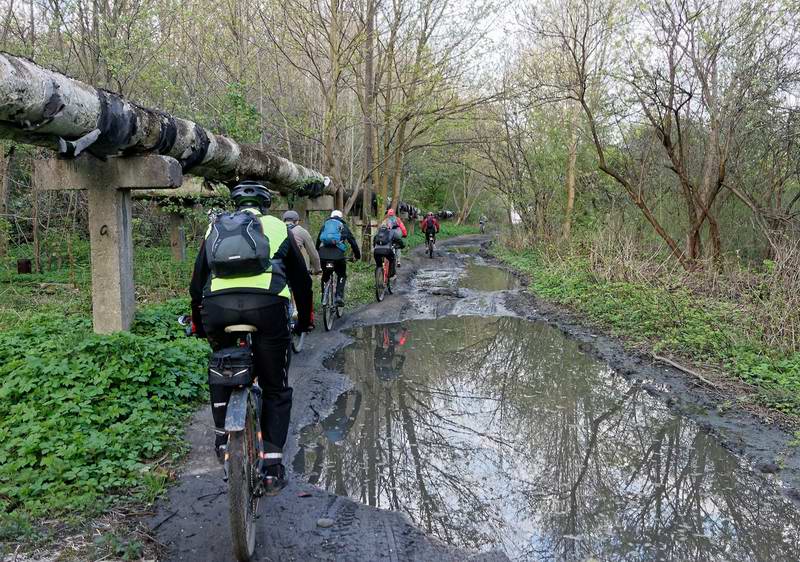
332, 243
303, 240
383, 245
482, 221
396, 226
394, 222
430, 226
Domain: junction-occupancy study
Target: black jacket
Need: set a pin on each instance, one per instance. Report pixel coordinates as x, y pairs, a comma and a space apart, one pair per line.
297, 277
332, 252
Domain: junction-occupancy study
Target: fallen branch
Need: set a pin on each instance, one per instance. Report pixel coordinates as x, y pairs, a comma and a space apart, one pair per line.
684, 369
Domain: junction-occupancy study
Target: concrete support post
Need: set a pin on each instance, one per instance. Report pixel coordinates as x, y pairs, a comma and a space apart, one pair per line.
109, 183
110, 234
177, 236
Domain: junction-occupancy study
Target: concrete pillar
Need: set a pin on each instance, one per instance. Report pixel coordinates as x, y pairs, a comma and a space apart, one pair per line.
110, 235
109, 183
177, 236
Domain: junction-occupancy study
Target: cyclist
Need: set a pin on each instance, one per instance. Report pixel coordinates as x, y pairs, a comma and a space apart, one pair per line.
303, 240
261, 300
331, 244
383, 244
430, 226
395, 223
398, 229
482, 221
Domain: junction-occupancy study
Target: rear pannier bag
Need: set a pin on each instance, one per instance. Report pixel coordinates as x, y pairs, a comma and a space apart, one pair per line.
237, 246
231, 366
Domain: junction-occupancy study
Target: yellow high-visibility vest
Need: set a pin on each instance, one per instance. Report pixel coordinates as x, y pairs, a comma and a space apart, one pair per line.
272, 282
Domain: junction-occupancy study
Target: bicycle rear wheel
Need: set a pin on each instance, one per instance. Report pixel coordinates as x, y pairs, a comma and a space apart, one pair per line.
242, 486
329, 304
380, 287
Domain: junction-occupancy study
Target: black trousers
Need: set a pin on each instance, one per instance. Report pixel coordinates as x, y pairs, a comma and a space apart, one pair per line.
381, 255
340, 267
272, 354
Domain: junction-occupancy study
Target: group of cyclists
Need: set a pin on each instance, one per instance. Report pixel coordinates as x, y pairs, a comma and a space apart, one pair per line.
249, 268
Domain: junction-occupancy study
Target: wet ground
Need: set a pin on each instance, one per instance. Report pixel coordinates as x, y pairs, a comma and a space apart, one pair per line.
499, 433
452, 422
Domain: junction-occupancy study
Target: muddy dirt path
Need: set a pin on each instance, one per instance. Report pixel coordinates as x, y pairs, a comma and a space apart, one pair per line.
486, 425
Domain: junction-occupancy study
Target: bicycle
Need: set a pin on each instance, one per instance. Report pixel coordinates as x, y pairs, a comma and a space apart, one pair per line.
245, 448
431, 242
383, 281
330, 311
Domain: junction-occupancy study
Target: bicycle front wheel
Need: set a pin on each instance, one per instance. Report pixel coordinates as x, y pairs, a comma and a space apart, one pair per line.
242, 485
298, 341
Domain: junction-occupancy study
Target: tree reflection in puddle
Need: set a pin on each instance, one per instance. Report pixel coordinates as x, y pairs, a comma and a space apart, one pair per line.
496, 433
479, 277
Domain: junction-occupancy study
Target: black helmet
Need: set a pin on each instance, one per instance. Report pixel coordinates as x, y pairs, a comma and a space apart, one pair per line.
249, 191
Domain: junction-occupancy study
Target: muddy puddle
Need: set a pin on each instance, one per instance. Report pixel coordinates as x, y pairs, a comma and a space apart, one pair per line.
478, 277
497, 433
463, 249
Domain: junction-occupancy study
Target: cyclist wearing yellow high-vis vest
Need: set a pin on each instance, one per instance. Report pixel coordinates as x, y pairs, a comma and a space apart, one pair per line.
263, 301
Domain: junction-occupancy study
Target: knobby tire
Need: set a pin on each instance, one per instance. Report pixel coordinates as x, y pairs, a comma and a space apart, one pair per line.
242, 482
298, 341
380, 288
328, 305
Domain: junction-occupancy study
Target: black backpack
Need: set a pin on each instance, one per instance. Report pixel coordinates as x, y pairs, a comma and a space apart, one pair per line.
236, 245
383, 236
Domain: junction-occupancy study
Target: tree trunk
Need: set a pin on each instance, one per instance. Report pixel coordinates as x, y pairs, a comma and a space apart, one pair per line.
37, 265
369, 94
6, 173
572, 161
62, 108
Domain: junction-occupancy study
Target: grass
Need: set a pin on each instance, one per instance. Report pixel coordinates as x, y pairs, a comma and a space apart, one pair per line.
61, 292
704, 329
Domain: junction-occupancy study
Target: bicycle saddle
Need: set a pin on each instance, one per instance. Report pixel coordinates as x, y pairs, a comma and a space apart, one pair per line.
240, 328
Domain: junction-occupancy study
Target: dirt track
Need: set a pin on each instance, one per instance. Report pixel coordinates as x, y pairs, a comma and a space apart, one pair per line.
192, 523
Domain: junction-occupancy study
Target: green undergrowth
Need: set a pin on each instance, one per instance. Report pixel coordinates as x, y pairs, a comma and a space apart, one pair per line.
64, 291
89, 420
360, 275
678, 321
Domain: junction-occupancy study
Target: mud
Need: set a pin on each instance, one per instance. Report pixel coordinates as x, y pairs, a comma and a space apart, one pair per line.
638, 464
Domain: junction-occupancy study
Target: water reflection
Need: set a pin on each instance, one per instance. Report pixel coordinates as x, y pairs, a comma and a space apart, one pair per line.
499, 433
485, 278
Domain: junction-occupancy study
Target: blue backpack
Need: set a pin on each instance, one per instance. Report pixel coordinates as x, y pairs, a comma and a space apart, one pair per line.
331, 234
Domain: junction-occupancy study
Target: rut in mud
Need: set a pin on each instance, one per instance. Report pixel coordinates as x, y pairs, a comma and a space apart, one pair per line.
448, 423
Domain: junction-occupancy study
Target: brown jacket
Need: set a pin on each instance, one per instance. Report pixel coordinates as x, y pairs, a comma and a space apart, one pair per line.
306, 245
